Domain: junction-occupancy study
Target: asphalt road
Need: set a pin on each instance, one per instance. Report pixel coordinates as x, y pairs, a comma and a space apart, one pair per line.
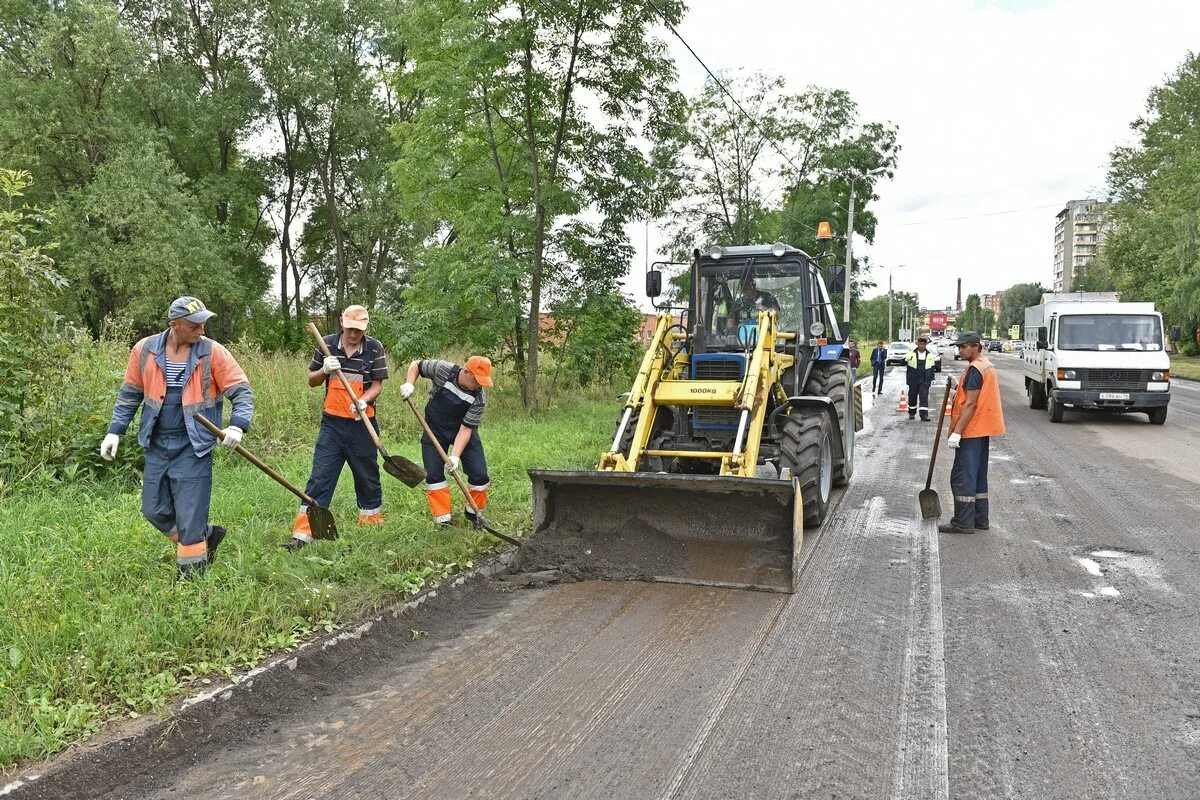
1054, 656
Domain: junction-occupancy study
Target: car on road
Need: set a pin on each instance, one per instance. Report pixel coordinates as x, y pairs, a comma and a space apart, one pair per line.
993, 346
897, 352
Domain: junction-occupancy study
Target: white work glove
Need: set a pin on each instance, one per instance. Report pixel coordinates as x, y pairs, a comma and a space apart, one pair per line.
331, 364
108, 447
954, 440
454, 462
406, 391
357, 407
233, 436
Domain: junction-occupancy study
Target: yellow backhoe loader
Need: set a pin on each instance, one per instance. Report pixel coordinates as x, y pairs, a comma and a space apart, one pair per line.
739, 424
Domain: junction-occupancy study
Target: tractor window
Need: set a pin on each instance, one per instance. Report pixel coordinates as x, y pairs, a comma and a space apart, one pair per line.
729, 302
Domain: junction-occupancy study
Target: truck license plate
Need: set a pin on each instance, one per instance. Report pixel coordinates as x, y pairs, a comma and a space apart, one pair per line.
1114, 395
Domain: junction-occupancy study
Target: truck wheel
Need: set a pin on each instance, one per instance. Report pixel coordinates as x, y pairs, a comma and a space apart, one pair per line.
807, 450
1037, 395
1157, 415
834, 382
1054, 408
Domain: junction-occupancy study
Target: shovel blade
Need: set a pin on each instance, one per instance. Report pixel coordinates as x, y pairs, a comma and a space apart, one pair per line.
403, 470
931, 505
320, 521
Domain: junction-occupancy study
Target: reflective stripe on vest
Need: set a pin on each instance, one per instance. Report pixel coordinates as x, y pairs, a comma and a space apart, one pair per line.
988, 419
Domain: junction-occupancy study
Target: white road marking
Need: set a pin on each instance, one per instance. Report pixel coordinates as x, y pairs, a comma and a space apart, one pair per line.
1108, 554
1091, 566
1109, 591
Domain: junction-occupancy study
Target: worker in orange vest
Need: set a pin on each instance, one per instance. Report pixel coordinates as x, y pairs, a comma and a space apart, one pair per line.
342, 440
975, 417
173, 376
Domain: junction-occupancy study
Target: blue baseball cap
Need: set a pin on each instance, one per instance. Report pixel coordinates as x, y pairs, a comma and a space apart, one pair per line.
189, 308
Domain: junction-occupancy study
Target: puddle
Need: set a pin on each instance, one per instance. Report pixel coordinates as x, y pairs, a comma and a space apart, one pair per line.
1034, 480
1109, 554
1110, 591
1091, 566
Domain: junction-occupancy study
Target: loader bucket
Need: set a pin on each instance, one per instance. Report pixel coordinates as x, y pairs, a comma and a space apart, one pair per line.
701, 529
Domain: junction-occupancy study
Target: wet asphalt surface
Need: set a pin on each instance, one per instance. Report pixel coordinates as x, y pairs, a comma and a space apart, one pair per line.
1054, 656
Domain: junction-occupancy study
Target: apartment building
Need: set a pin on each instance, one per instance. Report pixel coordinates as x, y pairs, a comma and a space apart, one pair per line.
1079, 231
991, 302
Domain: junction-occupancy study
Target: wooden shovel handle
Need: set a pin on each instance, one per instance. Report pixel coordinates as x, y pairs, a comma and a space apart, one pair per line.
353, 397
937, 438
253, 459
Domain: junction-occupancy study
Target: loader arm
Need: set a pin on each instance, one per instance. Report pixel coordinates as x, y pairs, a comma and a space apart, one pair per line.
750, 399
654, 363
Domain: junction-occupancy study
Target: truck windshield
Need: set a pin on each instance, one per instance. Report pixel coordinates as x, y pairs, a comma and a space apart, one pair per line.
1109, 332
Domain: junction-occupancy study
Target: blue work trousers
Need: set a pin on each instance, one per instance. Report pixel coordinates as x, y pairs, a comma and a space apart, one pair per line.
474, 464
342, 441
969, 482
177, 487
918, 399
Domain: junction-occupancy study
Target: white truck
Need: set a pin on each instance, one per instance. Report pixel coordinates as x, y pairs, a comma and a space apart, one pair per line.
1090, 351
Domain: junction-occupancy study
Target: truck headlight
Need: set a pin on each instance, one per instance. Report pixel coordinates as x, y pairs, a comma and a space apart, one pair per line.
715, 252
1161, 376
778, 249
817, 328
1066, 374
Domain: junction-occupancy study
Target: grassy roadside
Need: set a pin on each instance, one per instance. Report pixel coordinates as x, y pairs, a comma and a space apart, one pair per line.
1185, 367
94, 626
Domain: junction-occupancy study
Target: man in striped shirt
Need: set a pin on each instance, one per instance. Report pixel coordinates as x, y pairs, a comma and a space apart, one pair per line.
454, 413
342, 440
173, 376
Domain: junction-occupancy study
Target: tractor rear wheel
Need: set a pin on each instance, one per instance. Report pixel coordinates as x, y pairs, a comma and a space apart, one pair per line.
834, 381
807, 450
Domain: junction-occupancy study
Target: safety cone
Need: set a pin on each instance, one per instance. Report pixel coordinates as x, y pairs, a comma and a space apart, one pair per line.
949, 402
903, 407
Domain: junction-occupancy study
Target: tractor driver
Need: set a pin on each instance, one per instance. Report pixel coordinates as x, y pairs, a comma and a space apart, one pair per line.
751, 301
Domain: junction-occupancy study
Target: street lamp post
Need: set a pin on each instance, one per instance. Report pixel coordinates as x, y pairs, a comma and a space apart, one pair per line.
890, 270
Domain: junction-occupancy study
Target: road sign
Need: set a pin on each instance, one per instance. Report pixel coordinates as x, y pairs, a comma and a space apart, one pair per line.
1014, 332
905, 334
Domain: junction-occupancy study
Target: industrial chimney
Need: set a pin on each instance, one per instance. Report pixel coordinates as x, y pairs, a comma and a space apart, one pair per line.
958, 297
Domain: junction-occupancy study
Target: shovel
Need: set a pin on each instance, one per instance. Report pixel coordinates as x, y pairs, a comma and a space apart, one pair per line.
320, 519
479, 521
398, 467
931, 506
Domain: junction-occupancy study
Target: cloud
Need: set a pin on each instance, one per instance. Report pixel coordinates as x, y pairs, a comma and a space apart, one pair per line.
1003, 106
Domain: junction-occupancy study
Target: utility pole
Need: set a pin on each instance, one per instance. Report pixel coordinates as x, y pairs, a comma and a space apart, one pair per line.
849, 255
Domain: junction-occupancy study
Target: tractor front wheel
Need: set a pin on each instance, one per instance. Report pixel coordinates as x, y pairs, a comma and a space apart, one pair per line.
834, 381
807, 450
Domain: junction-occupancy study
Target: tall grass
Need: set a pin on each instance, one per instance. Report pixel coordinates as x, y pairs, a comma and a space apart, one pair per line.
94, 625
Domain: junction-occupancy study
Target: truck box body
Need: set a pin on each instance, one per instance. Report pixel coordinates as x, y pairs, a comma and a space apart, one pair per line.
1091, 351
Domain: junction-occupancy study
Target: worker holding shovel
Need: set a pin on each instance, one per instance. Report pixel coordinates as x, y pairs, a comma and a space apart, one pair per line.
175, 376
343, 438
453, 414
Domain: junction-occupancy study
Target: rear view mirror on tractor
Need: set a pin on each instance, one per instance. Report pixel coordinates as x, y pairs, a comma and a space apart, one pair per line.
836, 277
653, 283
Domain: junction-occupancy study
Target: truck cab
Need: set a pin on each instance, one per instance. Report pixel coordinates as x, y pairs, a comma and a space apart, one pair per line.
1092, 352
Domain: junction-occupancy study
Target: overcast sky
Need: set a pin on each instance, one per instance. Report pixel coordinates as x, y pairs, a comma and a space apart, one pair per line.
1002, 106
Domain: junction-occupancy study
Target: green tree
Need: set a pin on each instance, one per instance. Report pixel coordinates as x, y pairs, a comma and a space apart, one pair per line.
1016, 299
969, 318
28, 299
1153, 251
524, 155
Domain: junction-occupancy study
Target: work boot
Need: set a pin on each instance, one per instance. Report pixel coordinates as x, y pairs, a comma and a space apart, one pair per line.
475, 521
950, 527
445, 524
982, 526
214, 541
295, 544
924, 418
189, 572
912, 415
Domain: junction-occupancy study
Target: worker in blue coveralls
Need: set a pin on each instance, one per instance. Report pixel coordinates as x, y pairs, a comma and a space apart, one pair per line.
173, 376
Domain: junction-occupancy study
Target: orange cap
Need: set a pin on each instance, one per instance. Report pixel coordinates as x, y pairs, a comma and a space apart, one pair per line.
481, 368
355, 317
